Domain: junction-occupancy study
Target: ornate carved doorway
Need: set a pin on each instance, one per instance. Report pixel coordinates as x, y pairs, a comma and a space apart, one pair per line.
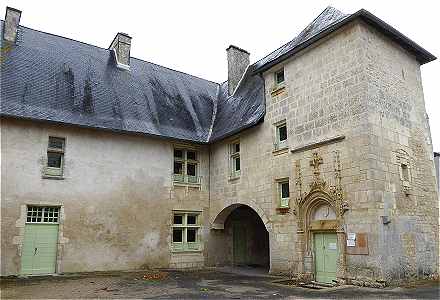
320, 222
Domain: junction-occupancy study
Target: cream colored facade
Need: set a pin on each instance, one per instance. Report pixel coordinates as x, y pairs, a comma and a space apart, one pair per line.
354, 109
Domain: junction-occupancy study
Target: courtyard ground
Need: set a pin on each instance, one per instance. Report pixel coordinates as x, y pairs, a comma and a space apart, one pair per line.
209, 284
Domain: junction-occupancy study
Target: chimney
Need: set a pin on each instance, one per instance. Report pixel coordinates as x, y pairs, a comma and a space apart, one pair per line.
121, 50
12, 19
238, 61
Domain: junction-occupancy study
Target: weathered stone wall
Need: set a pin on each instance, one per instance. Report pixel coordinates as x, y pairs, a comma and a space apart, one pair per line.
321, 99
117, 197
350, 84
399, 130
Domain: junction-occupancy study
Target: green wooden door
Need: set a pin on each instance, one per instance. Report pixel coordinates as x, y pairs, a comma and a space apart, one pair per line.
39, 249
239, 244
326, 255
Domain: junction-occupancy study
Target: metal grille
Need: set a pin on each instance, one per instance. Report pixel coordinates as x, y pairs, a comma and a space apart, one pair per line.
42, 214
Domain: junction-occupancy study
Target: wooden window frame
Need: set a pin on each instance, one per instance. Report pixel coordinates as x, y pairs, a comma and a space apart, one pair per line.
276, 73
36, 214
278, 144
283, 202
184, 178
53, 171
233, 156
185, 245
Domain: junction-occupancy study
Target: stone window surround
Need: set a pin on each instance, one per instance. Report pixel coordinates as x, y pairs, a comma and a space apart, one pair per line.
280, 148
277, 88
279, 199
21, 223
404, 165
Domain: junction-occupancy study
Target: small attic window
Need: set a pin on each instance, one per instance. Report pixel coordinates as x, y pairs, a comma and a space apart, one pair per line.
279, 76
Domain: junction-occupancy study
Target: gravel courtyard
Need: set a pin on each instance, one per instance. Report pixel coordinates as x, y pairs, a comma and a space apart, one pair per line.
205, 284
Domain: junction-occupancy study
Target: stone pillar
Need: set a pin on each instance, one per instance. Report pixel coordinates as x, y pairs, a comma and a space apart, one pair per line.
300, 251
341, 263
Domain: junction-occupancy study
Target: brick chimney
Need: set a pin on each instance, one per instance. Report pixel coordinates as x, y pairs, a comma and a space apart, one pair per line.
121, 49
238, 61
12, 19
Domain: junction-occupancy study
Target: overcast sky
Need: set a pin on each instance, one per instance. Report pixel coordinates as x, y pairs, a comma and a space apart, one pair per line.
191, 36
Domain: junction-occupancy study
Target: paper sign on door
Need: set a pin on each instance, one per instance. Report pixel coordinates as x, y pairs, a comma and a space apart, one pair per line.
332, 246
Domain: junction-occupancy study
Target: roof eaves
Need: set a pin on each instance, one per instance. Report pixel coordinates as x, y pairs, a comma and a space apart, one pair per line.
422, 55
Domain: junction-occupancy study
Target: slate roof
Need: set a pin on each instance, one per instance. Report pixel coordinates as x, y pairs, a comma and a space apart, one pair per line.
51, 78
327, 22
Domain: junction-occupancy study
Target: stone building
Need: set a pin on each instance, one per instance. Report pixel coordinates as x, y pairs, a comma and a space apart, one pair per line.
437, 168
315, 160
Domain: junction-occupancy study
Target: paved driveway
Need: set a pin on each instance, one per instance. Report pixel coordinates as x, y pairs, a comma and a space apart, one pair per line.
209, 284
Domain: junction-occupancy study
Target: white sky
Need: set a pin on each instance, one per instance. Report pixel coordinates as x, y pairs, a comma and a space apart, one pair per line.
191, 36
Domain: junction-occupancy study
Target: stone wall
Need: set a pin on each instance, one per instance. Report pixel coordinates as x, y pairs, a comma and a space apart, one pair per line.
117, 197
355, 98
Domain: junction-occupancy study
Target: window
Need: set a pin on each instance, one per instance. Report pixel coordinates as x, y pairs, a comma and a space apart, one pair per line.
235, 159
405, 172
185, 166
55, 157
186, 227
279, 77
284, 194
42, 214
281, 136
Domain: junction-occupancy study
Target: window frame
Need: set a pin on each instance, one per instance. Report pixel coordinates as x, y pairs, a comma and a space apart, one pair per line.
278, 144
184, 245
54, 171
184, 177
53, 212
233, 157
283, 202
276, 73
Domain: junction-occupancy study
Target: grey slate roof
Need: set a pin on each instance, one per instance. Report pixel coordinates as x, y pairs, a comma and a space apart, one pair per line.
326, 18
51, 78
330, 20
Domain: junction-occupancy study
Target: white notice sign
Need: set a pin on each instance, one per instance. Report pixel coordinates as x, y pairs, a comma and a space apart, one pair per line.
351, 243
332, 246
351, 236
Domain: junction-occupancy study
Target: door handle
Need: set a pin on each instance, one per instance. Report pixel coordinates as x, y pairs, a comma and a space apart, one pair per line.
35, 252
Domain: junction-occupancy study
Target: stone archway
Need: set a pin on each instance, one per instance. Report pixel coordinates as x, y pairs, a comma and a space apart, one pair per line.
221, 215
239, 236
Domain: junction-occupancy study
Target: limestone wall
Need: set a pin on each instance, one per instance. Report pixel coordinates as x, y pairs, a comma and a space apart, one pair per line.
365, 90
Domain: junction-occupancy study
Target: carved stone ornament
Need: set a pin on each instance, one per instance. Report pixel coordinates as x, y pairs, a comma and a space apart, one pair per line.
319, 190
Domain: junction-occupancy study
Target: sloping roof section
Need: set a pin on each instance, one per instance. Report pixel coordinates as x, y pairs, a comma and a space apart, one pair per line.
325, 19
327, 22
51, 78
244, 109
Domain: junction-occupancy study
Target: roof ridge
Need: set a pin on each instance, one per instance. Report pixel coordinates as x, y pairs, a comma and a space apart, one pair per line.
106, 49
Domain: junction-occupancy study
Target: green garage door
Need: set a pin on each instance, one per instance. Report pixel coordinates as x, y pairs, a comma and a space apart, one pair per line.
326, 254
40, 242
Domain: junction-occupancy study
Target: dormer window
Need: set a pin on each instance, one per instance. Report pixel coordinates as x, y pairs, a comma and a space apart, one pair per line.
279, 77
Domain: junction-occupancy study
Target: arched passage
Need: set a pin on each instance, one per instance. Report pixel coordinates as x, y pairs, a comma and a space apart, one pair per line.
239, 238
